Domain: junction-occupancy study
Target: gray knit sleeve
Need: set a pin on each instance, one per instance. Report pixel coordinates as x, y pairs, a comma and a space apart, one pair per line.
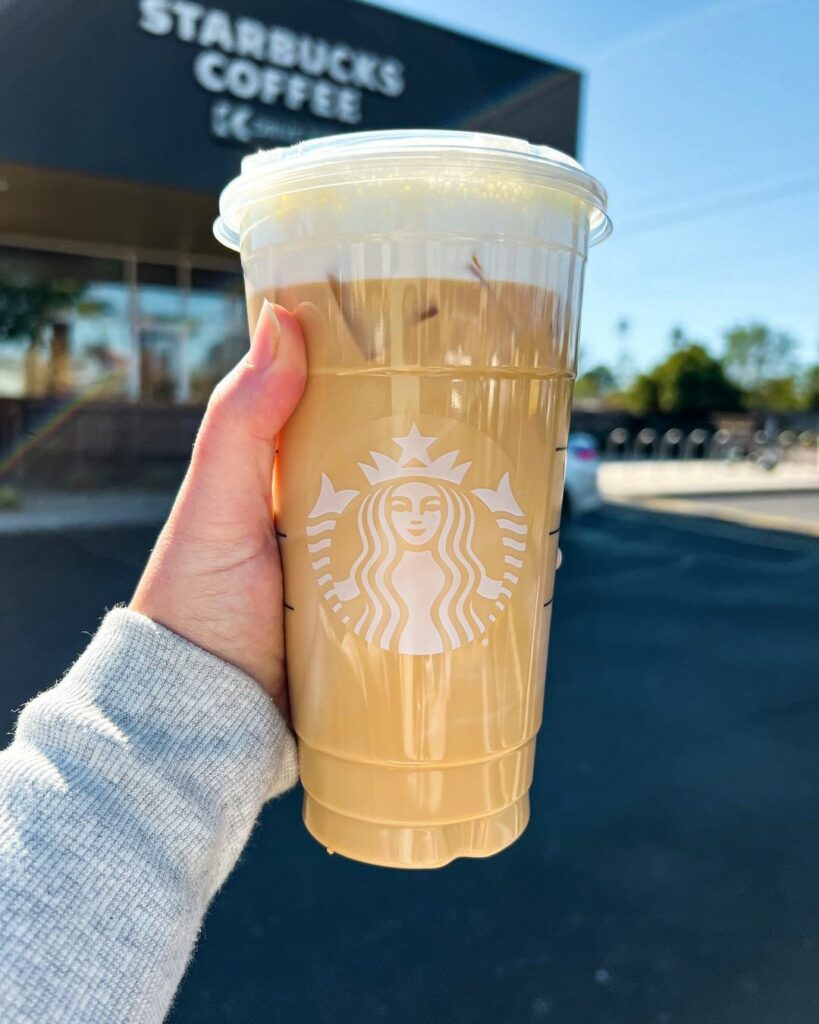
126, 797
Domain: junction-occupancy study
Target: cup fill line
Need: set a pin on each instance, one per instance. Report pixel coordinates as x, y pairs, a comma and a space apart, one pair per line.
403, 824
420, 766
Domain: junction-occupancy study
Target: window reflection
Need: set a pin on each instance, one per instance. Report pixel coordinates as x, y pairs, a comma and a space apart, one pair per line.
61, 320
218, 329
160, 334
103, 328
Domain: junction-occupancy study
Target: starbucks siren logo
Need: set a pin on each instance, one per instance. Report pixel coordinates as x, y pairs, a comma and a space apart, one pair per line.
417, 584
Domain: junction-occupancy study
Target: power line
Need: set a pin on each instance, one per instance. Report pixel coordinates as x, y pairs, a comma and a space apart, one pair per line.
661, 219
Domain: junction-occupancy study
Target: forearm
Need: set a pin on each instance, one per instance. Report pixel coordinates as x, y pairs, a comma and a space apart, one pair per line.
125, 799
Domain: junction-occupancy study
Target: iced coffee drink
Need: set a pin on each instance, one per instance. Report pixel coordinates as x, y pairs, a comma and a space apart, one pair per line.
437, 279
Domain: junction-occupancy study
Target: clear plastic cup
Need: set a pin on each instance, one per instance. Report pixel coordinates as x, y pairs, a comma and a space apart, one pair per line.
437, 277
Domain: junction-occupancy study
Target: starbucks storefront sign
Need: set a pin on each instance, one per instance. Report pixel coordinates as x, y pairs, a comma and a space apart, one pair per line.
248, 60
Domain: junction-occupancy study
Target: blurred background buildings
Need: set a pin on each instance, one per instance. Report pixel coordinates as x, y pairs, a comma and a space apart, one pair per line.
118, 310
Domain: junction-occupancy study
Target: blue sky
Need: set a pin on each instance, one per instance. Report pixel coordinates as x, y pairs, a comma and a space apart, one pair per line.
702, 120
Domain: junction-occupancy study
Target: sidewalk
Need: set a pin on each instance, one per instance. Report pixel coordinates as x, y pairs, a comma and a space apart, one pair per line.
55, 511
784, 498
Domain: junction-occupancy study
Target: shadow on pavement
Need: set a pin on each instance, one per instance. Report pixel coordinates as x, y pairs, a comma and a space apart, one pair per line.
669, 872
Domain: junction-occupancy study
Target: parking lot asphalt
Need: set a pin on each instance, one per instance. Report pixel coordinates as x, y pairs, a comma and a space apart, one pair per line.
670, 873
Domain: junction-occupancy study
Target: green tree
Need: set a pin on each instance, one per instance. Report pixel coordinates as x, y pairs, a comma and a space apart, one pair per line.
810, 394
678, 338
643, 397
755, 354
597, 382
778, 394
26, 309
624, 368
688, 382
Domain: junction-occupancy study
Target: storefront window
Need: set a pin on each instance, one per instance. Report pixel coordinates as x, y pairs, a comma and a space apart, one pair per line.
218, 329
101, 337
161, 334
63, 325
116, 329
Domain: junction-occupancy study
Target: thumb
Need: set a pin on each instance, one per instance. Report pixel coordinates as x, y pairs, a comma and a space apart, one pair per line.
232, 465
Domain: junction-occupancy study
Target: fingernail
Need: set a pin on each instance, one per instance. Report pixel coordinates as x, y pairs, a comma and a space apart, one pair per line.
265, 340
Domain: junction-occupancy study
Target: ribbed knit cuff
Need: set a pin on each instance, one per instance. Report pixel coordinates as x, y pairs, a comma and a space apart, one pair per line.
128, 793
183, 702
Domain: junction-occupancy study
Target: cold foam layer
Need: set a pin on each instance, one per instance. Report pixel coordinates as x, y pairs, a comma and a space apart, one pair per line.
453, 165
443, 225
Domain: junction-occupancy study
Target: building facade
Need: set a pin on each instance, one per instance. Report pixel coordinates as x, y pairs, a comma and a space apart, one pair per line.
120, 134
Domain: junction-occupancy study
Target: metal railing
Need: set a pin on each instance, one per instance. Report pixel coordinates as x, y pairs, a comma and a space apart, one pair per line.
760, 447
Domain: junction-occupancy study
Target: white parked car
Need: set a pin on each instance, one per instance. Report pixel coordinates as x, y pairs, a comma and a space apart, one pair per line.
582, 459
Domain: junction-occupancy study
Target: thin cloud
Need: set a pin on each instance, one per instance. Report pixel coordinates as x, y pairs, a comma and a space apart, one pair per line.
673, 26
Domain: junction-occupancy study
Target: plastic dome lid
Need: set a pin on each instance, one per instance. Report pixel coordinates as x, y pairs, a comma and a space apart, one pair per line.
337, 159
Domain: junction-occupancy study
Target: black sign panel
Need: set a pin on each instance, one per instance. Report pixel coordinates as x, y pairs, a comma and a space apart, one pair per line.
171, 92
